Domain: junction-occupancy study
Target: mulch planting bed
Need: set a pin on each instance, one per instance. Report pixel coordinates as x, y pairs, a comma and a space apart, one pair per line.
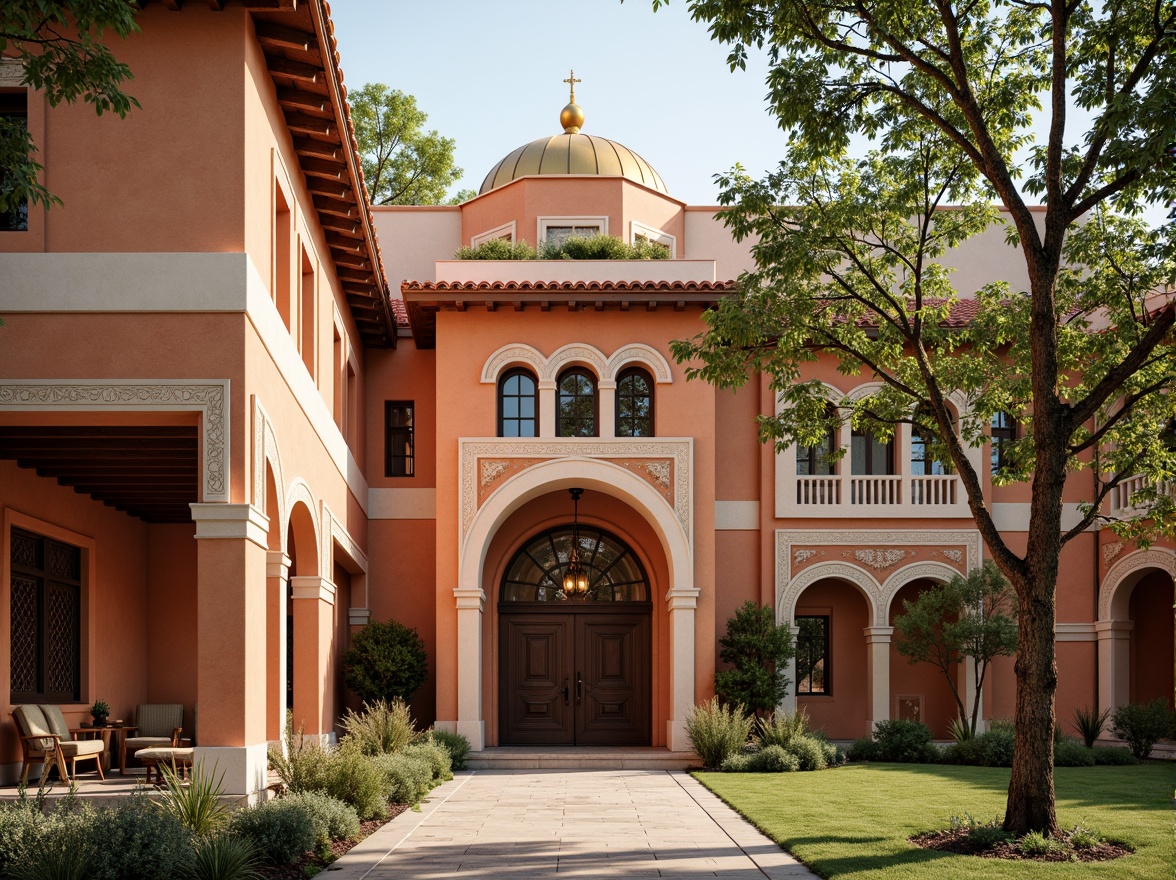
957, 841
298, 870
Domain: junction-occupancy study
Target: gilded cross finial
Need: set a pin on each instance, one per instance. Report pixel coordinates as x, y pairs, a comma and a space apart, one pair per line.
571, 81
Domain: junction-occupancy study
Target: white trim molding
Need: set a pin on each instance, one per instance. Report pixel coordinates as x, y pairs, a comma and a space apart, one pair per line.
209, 397
514, 355
543, 222
1124, 570
637, 229
506, 230
639, 353
880, 551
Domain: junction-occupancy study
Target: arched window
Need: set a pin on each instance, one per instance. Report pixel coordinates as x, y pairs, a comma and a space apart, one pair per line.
518, 404
1004, 432
815, 461
923, 460
576, 404
536, 572
634, 403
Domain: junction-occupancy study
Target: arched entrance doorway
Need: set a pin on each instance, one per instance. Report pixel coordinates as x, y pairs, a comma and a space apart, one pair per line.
574, 664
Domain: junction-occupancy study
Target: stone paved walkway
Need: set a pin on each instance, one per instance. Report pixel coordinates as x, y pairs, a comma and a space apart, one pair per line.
555, 823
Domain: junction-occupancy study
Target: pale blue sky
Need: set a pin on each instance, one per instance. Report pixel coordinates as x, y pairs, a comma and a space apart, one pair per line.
488, 73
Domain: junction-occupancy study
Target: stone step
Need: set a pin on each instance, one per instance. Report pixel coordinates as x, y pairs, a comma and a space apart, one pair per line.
579, 758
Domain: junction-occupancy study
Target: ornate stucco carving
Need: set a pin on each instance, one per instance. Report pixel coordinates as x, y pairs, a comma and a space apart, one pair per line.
954, 555
547, 368
639, 352
660, 471
208, 397
1110, 551
1159, 558
574, 353
492, 469
509, 355
674, 453
802, 556
880, 559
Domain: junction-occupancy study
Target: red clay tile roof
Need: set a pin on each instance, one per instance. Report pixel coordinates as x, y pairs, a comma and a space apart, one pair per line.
561, 286
400, 311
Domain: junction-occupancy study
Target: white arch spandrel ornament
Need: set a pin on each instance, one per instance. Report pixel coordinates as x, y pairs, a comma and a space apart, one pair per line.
514, 355
935, 571
638, 353
574, 353
1134, 563
870, 589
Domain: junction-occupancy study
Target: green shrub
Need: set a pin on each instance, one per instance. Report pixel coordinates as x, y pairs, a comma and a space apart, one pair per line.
386, 661
197, 803
1113, 756
906, 742
864, 749
737, 763
435, 755
757, 648
59, 845
781, 728
280, 830
1037, 844
998, 746
1141, 725
381, 727
356, 779
498, 249
809, 753
1090, 724
989, 835
774, 759
601, 247
1082, 837
138, 841
18, 821
406, 777
303, 767
1071, 753
716, 732
456, 744
222, 857
332, 819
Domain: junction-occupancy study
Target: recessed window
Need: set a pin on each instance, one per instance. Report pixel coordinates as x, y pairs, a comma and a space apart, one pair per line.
557, 230
506, 232
923, 461
1004, 432
576, 404
399, 439
817, 461
45, 619
812, 655
641, 234
518, 405
634, 403
870, 456
14, 112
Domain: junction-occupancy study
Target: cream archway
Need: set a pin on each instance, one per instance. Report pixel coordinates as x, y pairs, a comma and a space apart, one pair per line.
639, 353
937, 571
513, 355
573, 353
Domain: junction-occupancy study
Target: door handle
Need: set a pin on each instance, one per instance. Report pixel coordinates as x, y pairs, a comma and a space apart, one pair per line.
579, 689
565, 691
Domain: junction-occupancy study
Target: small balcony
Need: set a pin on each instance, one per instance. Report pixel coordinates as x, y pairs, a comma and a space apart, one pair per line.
1120, 499
860, 495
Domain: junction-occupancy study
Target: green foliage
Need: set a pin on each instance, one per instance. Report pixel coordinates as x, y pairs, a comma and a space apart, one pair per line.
993, 748
386, 661
355, 779
1090, 724
138, 841
60, 844
959, 730
972, 616
381, 727
1082, 837
757, 648
717, 731
984, 834
280, 830
864, 749
456, 744
60, 48
435, 756
576, 247
331, 818
773, 759
1071, 753
1035, 843
737, 763
407, 776
197, 803
781, 728
402, 163
100, 709
303, 765
1113, 756
809, 753
223, 857
1141, 725
906, 742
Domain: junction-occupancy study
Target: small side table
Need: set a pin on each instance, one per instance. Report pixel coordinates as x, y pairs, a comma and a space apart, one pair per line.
88, 733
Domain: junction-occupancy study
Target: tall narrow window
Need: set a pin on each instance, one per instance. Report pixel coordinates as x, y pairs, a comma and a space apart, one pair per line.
634, 403
518, 405
45, 620
283, 233
923, 460
14, 116
870, 456
1004, 432
398, 446
576, 404
812, 655
816, 461
308, 320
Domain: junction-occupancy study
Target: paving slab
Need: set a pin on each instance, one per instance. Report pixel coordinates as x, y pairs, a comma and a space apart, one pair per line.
524, 824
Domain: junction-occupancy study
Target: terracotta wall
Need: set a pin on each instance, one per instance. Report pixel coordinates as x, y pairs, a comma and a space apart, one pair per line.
171, 618
842, 714
1151, 640
921, 679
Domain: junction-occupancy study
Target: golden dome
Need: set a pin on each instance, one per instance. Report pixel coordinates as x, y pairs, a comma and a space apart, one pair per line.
573, 153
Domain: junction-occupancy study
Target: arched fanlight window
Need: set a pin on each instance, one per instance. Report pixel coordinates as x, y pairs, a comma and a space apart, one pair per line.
576, 404
518, 404
634, 403
536, 571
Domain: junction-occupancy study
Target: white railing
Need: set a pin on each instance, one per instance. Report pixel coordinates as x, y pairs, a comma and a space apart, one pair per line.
818, 491
1121, 495
934, 491
875, 490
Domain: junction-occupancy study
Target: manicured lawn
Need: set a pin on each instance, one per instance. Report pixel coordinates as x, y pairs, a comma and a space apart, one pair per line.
853, 821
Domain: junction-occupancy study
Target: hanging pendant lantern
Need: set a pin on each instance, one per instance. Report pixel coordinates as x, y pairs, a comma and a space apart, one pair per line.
575, 579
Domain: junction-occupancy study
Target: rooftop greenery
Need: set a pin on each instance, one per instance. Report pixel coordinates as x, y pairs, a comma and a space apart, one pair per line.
594, 247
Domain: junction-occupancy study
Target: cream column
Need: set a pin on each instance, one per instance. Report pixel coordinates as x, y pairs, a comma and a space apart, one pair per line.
606, 394
546, 408
314, 601
1114, 663
277, 591
231, 675
470, 722
878, 673
682, 602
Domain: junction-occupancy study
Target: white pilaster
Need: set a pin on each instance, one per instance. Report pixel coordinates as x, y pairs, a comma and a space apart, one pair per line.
682, 603
878, 673
1114, 663
606, 394
277, 574
470, 722
547, 408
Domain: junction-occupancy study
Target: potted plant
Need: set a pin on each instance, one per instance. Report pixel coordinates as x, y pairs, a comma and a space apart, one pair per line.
100, 711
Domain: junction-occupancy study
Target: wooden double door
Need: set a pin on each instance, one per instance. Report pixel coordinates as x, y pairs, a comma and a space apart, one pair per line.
574, 676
